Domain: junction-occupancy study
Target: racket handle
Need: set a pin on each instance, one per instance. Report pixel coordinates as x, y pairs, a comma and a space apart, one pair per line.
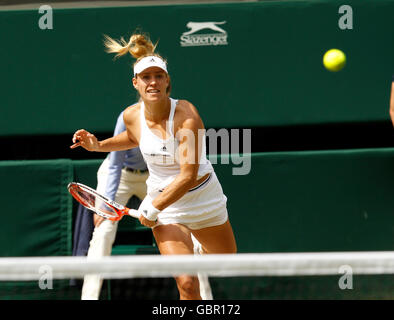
134, 213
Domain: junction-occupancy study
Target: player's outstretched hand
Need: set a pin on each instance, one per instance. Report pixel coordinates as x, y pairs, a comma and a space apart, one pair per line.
84, 139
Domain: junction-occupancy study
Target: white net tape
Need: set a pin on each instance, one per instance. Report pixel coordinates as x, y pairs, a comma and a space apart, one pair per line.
224, 265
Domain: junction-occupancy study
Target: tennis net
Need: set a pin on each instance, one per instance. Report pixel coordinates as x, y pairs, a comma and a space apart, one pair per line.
331, 275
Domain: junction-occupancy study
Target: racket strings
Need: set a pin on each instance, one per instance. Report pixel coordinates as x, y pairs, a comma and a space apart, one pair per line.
96, 204
93, 201
105, 208
84, 198
87, 198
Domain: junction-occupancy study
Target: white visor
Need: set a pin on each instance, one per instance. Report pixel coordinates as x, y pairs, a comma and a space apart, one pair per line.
147, 62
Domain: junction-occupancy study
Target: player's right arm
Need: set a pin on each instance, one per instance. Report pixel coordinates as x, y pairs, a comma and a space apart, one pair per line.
88, 141
392, 102
122, 141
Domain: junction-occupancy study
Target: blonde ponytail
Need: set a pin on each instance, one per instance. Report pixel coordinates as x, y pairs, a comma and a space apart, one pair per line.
138, 46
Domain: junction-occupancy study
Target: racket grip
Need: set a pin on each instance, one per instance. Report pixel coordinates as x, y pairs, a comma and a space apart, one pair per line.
134, 213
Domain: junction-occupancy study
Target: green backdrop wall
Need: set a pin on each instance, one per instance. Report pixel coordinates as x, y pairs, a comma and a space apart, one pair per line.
36, 208
290, 202
313, 201
269, 73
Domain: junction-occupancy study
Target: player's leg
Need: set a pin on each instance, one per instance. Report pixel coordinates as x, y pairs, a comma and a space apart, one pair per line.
217, 239
176, 239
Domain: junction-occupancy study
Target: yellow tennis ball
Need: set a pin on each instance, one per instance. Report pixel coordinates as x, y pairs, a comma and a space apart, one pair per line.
334, 60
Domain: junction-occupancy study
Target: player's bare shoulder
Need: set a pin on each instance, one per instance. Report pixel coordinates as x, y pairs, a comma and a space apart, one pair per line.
187, 108
131, 117
131, 114
187, 115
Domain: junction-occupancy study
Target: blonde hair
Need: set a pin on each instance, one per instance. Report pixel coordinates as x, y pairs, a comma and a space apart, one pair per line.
139, 46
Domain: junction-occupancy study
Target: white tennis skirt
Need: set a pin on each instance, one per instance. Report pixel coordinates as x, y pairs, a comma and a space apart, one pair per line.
201, 207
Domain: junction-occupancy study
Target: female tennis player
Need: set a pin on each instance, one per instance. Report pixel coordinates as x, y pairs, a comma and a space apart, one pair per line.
182, 189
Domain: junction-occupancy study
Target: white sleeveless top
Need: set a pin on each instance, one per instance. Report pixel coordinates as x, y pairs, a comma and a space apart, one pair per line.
161, 155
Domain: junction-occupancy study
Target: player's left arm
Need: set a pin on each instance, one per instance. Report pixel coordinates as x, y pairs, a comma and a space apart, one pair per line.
188, 153
189, 150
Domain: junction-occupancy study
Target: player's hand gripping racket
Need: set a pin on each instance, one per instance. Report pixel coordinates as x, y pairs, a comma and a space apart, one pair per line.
101, 205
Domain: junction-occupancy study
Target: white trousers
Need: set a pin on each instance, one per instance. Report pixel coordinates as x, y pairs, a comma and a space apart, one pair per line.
103, 237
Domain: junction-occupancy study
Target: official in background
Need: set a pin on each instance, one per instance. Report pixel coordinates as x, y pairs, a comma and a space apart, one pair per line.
121, 176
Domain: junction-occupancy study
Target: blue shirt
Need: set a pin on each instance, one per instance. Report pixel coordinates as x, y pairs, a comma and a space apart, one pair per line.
131, 158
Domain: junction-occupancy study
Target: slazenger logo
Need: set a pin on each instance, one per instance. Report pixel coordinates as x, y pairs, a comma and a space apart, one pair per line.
191, 39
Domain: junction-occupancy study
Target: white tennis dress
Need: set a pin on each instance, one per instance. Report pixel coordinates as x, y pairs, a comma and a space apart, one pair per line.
204, 205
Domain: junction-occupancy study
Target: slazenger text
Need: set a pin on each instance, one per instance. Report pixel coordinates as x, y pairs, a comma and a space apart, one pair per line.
204, 40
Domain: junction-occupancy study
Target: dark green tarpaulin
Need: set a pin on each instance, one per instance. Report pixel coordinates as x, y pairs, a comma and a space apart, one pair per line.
36, 208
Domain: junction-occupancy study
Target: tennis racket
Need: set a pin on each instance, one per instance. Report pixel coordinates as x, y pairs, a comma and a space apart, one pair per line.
98, 203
